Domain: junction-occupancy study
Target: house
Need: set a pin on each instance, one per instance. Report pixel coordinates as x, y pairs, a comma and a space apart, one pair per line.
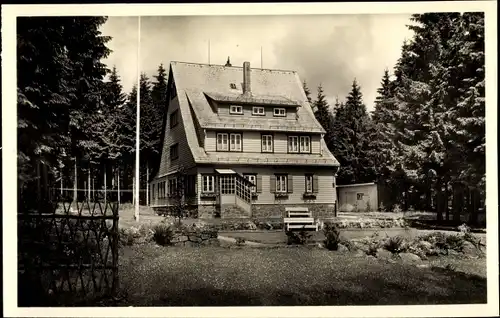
244, 141
360, 197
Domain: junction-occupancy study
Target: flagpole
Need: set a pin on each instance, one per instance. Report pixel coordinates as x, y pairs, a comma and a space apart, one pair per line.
138, 122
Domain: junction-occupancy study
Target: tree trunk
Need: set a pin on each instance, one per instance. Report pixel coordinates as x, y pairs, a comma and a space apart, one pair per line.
61, 172
75, 185
457, 198
147, 184
446, 199
105, 184
473, 208
439, 202
88, 185
38, 185
118, 184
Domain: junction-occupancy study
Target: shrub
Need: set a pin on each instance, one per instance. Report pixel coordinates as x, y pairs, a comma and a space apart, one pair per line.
126, 238
396, 244
240, 241
381, 207
396, 208
299, 237
332, 236
476, 241
163, 234
454, 242
350, 245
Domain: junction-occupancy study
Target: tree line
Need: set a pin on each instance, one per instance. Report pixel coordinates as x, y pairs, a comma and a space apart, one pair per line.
76, 129
425, 140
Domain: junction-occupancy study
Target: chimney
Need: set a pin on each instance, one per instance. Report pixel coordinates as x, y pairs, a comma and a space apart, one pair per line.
246, 78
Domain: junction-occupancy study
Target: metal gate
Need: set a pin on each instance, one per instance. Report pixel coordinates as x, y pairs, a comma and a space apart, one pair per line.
67, 251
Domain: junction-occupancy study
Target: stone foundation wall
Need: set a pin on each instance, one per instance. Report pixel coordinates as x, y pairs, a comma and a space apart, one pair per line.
278, 210
232, 211
207, 211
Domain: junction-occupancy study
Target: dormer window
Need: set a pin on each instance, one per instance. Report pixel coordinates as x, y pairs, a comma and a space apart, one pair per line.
279, 112
236, 110
232, 85
259, 111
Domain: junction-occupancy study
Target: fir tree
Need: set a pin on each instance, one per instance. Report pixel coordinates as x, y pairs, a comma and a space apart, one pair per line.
307, 92
324, 116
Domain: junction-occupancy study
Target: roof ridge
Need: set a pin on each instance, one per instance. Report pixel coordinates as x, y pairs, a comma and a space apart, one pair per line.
235, 66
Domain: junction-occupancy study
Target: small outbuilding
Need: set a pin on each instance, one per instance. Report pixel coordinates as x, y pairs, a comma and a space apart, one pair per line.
361, 197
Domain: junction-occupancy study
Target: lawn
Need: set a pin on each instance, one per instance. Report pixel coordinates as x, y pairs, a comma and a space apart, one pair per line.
218, 276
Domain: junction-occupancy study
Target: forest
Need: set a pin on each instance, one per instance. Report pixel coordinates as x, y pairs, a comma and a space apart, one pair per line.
424, 141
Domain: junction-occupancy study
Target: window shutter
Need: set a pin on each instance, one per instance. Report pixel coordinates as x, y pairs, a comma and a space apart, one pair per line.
258, 185
315, 184
272, 185
290, 184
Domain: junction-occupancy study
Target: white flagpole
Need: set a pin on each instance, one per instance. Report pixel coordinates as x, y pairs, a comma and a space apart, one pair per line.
138, 122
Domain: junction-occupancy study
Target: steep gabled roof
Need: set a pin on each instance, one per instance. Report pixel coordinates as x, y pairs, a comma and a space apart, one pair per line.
202, 82
196, 84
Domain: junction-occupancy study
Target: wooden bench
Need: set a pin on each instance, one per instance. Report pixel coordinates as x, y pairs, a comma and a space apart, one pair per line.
298, 218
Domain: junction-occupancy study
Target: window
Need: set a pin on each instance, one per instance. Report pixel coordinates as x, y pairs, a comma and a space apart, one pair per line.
360, 196
258, 111
279, 112
229, 142
236, 110
172, 187
267, 143
208, 183
227, 184
281, 183
153, 192
232, 85
173, 119
253, 179
305, 144
309, 183
235, 142
174, 152
293, 144
222, 142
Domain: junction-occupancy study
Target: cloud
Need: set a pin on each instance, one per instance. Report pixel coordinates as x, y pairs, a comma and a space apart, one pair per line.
327, 49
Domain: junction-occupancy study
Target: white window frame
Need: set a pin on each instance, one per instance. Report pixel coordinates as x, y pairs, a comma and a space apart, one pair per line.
253, 179
309, 183
221, 146
267, 143
172, 186
208, 183
237, 145
236, 110
303, 144
258, 111
293, 144
279, 112
281, 183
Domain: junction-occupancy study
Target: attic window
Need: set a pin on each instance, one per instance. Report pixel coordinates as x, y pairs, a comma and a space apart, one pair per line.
236, 110
279, 112
232, 85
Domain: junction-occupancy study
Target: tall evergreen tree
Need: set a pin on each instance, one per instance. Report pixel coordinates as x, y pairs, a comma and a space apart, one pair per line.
351, 136
60, 76
324, 116
307, 92
159, 97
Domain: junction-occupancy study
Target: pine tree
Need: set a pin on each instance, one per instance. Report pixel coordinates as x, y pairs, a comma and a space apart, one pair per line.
307, 92
351, 139
159, 97
324, 116
59, 83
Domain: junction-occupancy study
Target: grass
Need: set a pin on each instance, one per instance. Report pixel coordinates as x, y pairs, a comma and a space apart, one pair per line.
211, 276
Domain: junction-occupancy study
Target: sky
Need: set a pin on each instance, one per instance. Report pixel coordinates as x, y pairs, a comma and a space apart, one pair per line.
331, 50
